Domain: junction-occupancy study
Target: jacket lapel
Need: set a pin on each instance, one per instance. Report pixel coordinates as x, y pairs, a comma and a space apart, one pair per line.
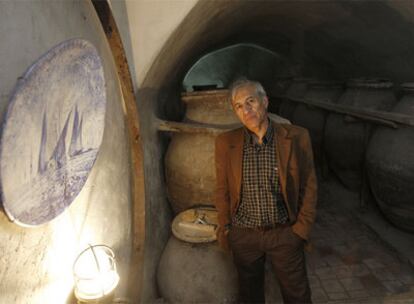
283, 146
236, 159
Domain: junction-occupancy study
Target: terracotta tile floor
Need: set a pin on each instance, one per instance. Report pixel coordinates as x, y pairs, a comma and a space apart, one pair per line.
349, 263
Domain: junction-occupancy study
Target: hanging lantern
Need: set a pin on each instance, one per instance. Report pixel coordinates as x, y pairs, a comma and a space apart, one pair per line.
95, 274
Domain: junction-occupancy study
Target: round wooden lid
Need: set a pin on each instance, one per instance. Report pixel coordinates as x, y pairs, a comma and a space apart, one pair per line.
196, 225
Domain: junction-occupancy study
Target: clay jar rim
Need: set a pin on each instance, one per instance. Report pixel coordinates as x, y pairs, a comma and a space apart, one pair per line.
283, 78
407, 87
326, 84
306, 80
203, 96
369, 83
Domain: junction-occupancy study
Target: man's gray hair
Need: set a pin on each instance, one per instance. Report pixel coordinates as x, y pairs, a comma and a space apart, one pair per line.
242, 82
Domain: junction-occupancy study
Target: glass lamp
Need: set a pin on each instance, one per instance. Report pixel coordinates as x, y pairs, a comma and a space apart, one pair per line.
95, 274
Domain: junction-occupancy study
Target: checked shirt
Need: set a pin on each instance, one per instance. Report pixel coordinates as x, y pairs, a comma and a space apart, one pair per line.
262, 203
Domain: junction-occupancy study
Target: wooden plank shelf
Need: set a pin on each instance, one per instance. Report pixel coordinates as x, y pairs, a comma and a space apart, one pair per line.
378, 117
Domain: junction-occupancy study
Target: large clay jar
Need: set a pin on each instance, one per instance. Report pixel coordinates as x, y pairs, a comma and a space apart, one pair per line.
189, 162
277, 92
196, 273
346, 138
390, 166
313, 118
297, 89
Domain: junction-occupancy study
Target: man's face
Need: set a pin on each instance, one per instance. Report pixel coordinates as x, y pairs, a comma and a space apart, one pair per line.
249, 108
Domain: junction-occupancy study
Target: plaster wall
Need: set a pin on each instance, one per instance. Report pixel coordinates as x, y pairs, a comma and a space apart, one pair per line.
36, 263
147, 24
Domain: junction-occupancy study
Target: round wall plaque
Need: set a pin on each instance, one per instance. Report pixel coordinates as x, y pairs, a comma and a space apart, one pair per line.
52, 132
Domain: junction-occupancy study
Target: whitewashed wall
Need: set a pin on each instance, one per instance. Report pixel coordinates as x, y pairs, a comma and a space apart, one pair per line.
145, 26
36, 263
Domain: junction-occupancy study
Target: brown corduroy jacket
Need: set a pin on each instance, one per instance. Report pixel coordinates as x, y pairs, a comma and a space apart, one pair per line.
296, 173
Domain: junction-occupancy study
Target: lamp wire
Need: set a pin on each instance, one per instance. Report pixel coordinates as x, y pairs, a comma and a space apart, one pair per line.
98, 266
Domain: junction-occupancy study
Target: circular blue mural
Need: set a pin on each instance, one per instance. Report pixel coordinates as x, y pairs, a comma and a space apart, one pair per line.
52, 132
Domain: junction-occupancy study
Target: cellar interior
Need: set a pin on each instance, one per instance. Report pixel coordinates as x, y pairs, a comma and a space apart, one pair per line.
275, 42
363, 247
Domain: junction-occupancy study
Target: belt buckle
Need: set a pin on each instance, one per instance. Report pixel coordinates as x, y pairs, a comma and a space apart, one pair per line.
266, 228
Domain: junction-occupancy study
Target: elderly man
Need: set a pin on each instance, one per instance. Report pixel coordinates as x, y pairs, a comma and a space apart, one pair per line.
265, 196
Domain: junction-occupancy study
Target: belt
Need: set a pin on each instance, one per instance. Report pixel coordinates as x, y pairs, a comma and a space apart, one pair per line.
270, 227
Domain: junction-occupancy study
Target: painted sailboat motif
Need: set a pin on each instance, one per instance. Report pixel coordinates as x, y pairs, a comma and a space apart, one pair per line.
58, 159
76, 141
61, 155
53, 132
42, 153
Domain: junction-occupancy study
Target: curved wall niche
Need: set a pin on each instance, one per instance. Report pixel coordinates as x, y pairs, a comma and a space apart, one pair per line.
52, 133
220, 67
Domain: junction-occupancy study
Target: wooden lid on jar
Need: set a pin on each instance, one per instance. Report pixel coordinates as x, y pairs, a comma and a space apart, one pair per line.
196, 225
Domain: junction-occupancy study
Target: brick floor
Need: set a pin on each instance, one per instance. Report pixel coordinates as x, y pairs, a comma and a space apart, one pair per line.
352, 284
332, 286
319, 295
349, 263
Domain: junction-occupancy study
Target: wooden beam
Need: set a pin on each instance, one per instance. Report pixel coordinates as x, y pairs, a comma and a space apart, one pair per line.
378, 117
136, 154
175, 126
